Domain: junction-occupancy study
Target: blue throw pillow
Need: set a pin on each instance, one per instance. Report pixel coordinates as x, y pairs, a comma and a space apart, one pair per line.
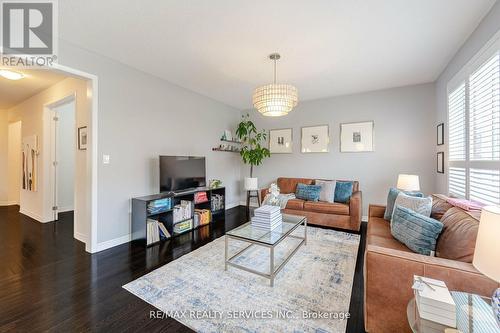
343, 192
391, 199
418, 232
307, 192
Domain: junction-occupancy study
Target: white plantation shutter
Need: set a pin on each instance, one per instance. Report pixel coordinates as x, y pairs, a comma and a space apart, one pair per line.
456, 182
474, 134
456, 121
484, 114
485, 186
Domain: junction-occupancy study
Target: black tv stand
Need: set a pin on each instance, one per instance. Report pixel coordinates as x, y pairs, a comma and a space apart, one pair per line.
140, 213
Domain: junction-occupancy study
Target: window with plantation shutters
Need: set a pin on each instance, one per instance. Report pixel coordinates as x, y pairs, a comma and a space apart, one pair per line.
474, 134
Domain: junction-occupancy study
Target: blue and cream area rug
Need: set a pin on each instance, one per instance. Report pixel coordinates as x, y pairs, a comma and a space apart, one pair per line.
310, 294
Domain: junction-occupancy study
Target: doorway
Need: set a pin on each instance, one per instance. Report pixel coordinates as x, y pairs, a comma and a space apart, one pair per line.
63, 147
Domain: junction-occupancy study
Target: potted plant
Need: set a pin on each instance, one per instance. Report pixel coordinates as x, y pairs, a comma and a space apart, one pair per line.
251, 151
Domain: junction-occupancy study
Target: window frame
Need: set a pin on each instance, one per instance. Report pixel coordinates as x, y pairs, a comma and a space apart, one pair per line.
491, 48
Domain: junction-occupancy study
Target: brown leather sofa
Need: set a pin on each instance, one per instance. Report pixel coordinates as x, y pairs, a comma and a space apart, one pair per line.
338, 215
389, 265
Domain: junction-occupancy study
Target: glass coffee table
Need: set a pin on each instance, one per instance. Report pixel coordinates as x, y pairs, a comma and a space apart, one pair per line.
270, 239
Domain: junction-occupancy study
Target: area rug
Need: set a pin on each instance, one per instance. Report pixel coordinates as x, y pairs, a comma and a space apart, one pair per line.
310, 294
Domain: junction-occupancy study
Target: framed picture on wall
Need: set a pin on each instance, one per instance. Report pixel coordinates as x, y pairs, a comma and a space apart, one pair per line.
440, 134
440, 162
82, 138
356, 137
315, 139
280, 141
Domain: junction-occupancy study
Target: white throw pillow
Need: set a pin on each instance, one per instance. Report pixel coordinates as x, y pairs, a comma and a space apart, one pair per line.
420, 205
327, 193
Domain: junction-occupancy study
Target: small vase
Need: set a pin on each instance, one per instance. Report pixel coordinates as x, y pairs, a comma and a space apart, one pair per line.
251, 184
495, 305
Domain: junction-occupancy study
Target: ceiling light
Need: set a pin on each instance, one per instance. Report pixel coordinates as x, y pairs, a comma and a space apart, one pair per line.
275, 99
11, 75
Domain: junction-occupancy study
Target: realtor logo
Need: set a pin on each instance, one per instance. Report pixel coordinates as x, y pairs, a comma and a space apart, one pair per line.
29, 28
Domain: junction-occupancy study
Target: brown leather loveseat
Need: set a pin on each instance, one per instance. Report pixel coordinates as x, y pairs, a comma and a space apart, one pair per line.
389, 265
339, 215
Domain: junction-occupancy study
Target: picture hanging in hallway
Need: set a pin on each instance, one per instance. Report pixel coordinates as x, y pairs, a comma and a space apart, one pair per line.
30, 163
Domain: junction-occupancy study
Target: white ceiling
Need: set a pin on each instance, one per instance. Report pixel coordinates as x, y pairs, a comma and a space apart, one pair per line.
219, 48
35, 81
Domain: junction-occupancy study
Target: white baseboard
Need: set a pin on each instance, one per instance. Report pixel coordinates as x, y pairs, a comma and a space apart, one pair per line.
364, 218
232, 205
34, 216
81, 237
65, 209
112, 243
252, 204
8, 203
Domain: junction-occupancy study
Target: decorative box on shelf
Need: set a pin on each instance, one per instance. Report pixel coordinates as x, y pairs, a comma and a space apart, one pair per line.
434, 301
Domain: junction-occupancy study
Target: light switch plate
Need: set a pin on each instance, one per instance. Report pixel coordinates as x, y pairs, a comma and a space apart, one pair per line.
105, 159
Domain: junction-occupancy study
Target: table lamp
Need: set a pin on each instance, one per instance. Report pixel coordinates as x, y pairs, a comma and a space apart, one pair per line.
487, 252
408, 183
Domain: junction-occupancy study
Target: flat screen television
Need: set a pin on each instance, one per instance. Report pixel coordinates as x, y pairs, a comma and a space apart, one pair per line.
179, 173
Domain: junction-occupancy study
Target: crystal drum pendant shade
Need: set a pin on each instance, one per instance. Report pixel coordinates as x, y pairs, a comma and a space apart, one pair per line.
275, 99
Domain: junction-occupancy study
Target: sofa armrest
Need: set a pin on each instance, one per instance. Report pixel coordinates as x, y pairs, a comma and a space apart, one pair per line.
376, 211
355, 207
388, 275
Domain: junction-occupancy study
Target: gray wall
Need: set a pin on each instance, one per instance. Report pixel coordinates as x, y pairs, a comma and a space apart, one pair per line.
484, 32
141, 117
404, 137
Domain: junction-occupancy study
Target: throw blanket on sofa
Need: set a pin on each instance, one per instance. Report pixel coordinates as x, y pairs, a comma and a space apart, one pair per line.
464, 204
281, 200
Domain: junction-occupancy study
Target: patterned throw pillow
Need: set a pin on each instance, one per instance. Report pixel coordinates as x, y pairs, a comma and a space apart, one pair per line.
419, 205
307, 192
418, 232
327, 193
391, 198
343, 192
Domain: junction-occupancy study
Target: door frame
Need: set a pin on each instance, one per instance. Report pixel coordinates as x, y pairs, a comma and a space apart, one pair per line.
91, 243
53, 175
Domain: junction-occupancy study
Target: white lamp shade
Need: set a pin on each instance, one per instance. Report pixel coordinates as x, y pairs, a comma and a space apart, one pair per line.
251, 184
408, 182
487, 252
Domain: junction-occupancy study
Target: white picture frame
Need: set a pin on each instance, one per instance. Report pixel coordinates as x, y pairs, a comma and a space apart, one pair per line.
357, 137
315, 139
281, 141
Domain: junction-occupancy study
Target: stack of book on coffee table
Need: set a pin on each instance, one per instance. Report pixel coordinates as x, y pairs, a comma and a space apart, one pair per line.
267, 217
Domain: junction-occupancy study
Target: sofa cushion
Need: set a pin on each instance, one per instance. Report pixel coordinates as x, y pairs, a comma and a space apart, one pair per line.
439, 206
327, 208
308, 192
458, 239
296, 204
343, 191
289, 185
327, 190
419, 205
416, 231
391, 198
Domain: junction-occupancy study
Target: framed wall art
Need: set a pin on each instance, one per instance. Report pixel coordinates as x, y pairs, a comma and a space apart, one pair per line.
315, 139
356, 137
440, 134
440, 162
280, 141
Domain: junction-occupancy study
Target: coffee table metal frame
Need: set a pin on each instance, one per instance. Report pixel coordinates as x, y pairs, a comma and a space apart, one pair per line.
273, 271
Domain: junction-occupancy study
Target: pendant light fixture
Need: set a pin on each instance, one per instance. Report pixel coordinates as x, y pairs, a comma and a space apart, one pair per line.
275, 99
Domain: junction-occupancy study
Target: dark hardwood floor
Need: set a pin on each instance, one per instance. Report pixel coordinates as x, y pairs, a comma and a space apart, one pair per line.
49, 283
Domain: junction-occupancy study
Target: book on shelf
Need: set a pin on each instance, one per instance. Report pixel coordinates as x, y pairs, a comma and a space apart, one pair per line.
152, 231
164, 234
217, 202
159, 205
203, 216
182, 211
183, 226
200, 197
